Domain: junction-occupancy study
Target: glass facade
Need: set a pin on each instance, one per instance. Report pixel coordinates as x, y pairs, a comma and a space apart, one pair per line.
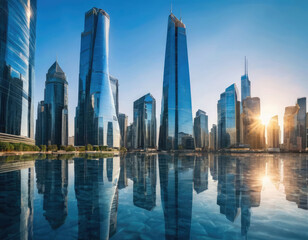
52, 118
145, 122
96, 119
301, 122
273, 133
245, 84
213, 138
123, 119
17, 52
201, 131
228, 114
290, 128
176, 124
114, 83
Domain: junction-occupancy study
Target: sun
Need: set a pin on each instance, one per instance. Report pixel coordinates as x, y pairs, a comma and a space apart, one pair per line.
265, 119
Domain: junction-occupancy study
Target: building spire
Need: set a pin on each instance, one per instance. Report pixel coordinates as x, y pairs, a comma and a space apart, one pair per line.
246, 66
171, 7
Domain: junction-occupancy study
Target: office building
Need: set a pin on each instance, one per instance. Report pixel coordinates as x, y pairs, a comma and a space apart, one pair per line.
301, 122
96, 119
245, 84
201, 132
176, 124
290, 136
123, 128
114, 83
213, 138
273, 133
17, 54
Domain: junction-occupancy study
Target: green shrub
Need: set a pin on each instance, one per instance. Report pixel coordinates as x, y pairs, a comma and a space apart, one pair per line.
43, 148
89, 147
52, 148
123, 149
62, 147
103, 148
81, 149
4, 146
96, 148
70, 148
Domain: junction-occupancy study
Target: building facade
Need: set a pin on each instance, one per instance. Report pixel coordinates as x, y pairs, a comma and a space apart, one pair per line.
228, 118
201, 131
290, 134
123, 128
145, 122
273, 133
253, 130
17, 53
213, 138
176, 124
52, 115
301, 122
96, 119
114, 83
245, 84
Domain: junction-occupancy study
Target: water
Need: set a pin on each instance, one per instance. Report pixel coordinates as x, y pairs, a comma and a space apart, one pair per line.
156, 197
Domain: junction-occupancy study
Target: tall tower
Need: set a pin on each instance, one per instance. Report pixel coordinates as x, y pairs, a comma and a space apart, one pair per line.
17, 44
245, 84
176, 124
96, 120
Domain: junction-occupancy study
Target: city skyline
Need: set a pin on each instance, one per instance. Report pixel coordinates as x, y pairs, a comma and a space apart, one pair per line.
269, 68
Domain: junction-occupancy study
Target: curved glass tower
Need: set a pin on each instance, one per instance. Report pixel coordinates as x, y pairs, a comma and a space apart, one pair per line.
176, 124
17, 50
96, 121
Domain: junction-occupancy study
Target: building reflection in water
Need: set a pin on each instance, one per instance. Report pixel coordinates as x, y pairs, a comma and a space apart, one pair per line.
176, 184
201, 174
52, 182
144, 177
16, 203
97, 196
122, 183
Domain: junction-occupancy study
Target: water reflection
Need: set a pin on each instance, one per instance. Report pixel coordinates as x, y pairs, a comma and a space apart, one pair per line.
164, 196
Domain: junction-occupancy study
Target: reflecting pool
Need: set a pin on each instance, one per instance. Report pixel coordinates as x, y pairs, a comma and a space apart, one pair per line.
157, 196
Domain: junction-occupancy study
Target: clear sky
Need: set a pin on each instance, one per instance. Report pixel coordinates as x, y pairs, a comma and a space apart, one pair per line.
273, 34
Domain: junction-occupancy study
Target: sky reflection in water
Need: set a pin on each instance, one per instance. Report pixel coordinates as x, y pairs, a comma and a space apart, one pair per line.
156, 197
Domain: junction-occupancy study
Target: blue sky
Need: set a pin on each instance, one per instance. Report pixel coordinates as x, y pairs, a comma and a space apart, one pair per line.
273, 34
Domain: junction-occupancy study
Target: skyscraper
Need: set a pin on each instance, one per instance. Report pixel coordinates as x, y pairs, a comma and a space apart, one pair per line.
306, 131
245, 84
123, 128
96, 120
301, 121
290, 128
273, 133
228, 116
213, 138
17, 44
252, 127
176, 124
114, 83
145, 121
52, 118
201, 131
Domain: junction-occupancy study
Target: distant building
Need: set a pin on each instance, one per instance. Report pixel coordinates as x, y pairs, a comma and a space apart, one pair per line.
176, 110
71, 140
245, 84
52, 117
301, 122
145, 122
17, 55
130, 137
290, 137
273, 133
252, 127
123, 128
213, 138
201, 132
228, 122
114, 83
306, 131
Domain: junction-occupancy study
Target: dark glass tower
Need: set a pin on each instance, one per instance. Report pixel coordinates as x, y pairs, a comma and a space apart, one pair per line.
245, 84
52, 118
123, 128
17, 52
301, 122
201, 131
96, 119
145, 122
176, 124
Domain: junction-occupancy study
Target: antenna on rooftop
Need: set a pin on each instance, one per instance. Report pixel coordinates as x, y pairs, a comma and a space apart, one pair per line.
171, 7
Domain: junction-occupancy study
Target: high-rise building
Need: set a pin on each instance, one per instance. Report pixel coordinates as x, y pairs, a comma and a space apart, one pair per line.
307, 131
213, 138
290, 136
52, 118
96, 119
145, 122
17, 53
176, 124
245, 84
301, 122
201, 131
130, 137
228, 113
123, 128
273, 133
114, 83
252, 127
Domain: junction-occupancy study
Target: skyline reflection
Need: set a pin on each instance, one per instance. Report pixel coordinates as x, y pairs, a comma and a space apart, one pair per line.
125, 197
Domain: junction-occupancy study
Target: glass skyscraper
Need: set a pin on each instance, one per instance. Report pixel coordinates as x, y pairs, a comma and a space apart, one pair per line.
228, 122
114, 83
176, 124
273, 133
245, 84
17, 52
201, 131
123, 128
96, 119
290, 126
52, 115
145, 122
301, 122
